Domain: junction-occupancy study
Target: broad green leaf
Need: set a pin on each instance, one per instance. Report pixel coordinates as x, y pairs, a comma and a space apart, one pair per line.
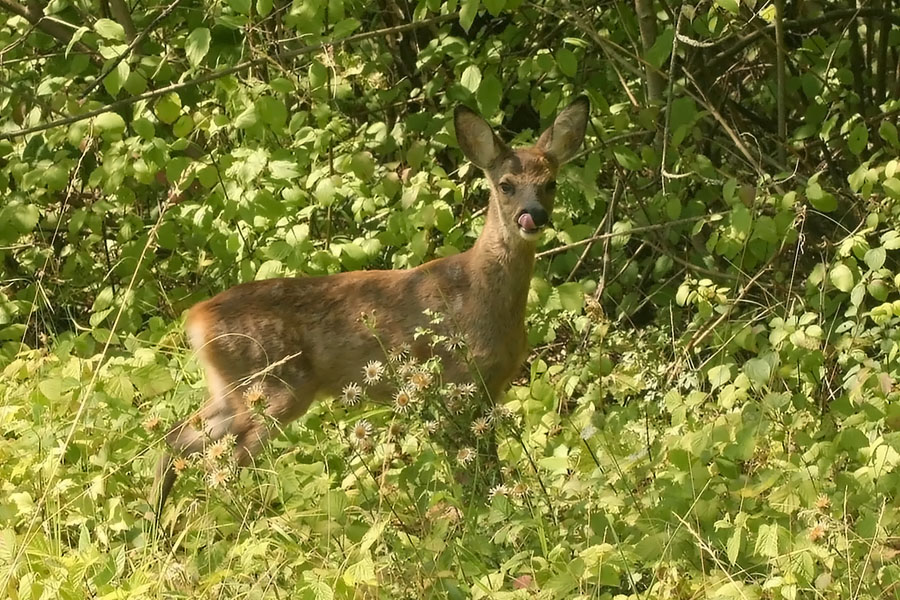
842, 277
467, 13
471, 78
567, 61
767, 541
490, 93
264, 7
819, 198
627, 158
758, 371
168, 108
109, 29
248, 118
858, 138
571, 296
888, 132
197, 45
719, 375
661, 49
109, 122
875, 258
729, 5
892, 187
495, 7
345, 27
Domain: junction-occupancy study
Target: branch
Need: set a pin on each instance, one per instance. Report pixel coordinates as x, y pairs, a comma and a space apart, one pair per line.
222, 73
134, 43
119, 11
647, 22
52, 27
799, 24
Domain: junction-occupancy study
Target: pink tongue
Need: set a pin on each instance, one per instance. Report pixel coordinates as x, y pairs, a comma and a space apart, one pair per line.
526, 222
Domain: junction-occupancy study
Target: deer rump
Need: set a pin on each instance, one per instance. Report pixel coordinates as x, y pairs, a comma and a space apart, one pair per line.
293, 339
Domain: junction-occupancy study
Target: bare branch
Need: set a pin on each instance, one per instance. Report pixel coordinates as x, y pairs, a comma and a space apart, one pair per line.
119, 11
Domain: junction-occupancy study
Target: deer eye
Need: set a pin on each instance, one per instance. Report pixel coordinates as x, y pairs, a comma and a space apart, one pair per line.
507, 188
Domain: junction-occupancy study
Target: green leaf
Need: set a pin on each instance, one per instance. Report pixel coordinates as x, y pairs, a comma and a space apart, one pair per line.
767, 541
888, 132
661, 49
269, 270
248, 118
567, 61
571, 296
345, 27
627, 158
471, 78
109, 122
264, 7
51, 388
729, 5
495, 7
858, 138
875, 258
109, 29
892, 187
168, 108
197, 45
820, 199
467, 13
76, 37
758, 371
719, 375
842, 277
490, 93
733, 546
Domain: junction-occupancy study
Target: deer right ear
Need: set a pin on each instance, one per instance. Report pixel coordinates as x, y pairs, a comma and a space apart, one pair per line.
476, 138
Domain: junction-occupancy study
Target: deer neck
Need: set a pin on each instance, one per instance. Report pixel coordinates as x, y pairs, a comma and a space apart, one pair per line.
503, 262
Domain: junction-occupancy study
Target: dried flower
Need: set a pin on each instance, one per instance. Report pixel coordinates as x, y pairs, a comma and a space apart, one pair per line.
255, 395
151, 424
430, 426
179, 464
196, 422
373, 371
520, 490
217, 451
465, 456
409, 368
468, 389
420, 380
400, 353
351, 394
402, 401
481, 426
817, 533
454, 342
218, 478
823, 502
501, 413
361, 431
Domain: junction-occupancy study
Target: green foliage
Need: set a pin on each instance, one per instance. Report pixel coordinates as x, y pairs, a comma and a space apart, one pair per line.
710, 408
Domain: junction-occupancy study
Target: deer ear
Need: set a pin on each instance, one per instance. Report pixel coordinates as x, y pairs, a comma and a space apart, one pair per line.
562, 139
476, 138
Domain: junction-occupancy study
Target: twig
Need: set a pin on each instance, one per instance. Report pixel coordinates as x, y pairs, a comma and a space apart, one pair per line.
632, 231
134, 43
34, 14
779, 80
220, 74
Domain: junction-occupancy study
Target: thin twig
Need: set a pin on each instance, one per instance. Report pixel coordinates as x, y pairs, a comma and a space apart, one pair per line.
134, 44
632, 231
222, 73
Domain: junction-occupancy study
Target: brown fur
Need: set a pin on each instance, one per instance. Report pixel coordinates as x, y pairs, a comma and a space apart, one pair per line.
310, 328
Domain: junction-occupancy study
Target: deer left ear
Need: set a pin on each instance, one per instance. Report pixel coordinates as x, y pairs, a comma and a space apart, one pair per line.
562, 139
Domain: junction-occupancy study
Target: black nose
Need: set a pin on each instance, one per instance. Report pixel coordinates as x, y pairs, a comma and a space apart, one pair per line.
538, 214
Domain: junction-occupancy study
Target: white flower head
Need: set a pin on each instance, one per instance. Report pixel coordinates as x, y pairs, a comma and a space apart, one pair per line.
361, 432
351, 394
402, 401
373, 371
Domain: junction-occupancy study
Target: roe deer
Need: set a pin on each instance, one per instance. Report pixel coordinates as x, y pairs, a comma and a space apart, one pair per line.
306, 336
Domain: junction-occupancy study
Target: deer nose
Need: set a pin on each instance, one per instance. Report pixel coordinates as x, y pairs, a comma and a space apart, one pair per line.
539, 215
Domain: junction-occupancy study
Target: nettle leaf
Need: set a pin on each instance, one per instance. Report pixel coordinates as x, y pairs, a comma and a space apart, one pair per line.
767, 541
197, 45
842, 277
